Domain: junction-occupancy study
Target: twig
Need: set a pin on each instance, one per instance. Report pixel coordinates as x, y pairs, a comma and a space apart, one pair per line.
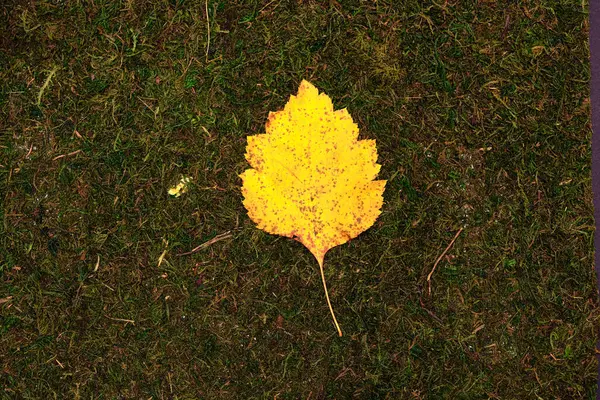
204, 245
29, 152
45, 85
439, 258
66, 155
207, 29
266, 5
130, 321
105, 285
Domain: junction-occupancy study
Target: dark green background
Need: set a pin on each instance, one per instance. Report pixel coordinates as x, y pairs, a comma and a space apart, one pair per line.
480, 111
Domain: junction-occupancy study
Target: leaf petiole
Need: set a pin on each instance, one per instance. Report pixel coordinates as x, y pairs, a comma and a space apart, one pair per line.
320, 260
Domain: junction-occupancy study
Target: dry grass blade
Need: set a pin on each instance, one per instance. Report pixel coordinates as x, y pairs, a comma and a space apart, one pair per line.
204, 245
440, 257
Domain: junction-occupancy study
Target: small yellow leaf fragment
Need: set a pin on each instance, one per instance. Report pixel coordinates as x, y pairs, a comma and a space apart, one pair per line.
181, 187
311, 178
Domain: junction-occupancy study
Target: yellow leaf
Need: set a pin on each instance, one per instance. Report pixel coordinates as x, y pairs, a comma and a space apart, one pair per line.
182, 187
311, 179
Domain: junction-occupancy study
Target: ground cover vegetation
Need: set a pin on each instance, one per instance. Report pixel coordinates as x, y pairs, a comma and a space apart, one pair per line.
480, 111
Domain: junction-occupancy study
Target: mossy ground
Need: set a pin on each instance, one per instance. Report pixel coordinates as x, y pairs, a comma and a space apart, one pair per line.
480, 110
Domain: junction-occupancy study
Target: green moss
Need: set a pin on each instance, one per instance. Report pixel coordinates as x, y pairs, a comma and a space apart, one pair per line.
476, 128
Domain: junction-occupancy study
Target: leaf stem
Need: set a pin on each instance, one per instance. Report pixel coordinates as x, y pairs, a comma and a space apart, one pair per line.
320, 260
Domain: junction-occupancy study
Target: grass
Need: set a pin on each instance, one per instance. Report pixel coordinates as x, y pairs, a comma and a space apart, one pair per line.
482, 120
